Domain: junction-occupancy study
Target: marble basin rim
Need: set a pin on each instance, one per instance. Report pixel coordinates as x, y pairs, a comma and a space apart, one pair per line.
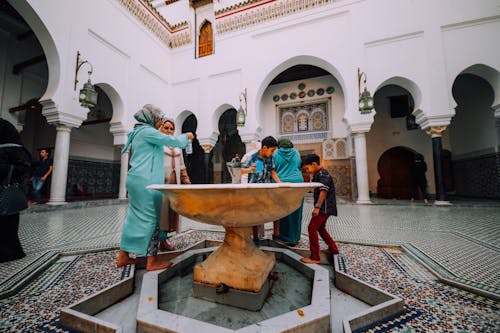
235, 205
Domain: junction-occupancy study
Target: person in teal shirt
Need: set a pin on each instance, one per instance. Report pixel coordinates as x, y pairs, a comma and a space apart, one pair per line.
287, 164
141, 228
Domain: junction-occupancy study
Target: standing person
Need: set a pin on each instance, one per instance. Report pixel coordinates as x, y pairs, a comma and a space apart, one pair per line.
141, 227
12, 152
325, 204
175, 173
418, 170
287, 164
40, 176
260, 169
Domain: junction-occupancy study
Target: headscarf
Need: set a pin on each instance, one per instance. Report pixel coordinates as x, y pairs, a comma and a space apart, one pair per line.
148, 115
285, 143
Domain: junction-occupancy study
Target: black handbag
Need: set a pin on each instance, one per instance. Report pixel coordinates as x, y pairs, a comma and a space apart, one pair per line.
12, 196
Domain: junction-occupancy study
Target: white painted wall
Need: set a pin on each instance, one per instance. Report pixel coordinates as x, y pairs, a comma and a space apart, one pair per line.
427, 43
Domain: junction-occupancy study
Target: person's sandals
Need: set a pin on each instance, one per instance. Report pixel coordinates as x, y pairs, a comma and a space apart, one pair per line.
165, 246
308, 260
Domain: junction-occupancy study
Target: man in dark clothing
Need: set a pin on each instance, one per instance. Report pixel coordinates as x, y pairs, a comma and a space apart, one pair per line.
325, 204
40, 176
418, 170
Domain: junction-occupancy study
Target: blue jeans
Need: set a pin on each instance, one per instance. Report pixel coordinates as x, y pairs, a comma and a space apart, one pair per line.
37, 186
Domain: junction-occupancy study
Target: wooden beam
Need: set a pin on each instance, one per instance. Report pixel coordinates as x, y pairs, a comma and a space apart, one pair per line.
30, 62
32, 104
25, 35
97, 121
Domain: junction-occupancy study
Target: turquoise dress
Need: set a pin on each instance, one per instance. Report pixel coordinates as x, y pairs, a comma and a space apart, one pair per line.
287, 164
146, 168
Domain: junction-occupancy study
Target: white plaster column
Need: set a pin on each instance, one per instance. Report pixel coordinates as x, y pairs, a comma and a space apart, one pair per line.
496, 110
122, 193
60, 172
120, 140
361, 168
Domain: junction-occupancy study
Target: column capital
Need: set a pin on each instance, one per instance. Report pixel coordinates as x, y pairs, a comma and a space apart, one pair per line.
425, 121
207, 148
119, 134
360, 128
210, 141
496, 110
436, 131
56, 117
62, 127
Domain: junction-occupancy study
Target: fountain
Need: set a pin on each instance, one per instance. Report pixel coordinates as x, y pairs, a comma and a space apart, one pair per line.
237, 265
235, 288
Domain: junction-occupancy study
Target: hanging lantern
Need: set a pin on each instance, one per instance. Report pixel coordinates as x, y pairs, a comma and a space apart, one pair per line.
88, 95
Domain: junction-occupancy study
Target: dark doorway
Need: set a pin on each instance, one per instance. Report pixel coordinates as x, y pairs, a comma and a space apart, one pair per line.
394, 168
228, 144
194, 161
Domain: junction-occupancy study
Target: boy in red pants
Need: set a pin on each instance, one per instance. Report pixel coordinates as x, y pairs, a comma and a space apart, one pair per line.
325, 204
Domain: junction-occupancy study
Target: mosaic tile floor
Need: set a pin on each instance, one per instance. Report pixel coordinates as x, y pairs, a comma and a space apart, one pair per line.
430, 306
461, 242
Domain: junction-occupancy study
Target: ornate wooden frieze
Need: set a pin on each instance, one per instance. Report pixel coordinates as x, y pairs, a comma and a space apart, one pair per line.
172, 35
199, 3
252, 12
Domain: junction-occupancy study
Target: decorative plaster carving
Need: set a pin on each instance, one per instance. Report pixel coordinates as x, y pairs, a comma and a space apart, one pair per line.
334, 149
172, 35
245, 14
328, 149
436, 131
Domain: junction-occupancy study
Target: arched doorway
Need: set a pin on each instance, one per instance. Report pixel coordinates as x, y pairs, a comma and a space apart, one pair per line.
228, 145
94, 161
394, 168
475, 159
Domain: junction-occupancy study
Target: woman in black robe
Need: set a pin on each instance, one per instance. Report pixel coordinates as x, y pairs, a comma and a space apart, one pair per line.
12, 152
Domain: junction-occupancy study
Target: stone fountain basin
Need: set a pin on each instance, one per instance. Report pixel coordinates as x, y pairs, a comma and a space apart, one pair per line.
235, 205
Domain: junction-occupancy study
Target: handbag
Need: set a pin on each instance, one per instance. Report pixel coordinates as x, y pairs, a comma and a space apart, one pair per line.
12, 196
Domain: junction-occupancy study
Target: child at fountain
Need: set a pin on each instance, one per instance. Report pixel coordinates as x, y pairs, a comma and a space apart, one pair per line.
141, 227
260, 169
324, 205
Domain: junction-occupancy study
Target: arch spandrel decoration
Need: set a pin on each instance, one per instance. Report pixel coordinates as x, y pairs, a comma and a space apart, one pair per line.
206, 40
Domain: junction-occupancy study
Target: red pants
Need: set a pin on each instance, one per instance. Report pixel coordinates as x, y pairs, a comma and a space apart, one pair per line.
317, 225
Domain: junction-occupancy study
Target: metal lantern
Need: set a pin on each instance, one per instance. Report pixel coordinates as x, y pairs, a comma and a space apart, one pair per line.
242, 111
88, 95
365, 102
240, 117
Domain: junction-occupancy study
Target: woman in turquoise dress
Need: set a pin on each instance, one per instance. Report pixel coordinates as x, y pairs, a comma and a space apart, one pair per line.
141, 227
287, 164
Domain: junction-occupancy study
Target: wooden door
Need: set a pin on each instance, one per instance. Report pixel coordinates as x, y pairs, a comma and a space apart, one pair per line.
394, 168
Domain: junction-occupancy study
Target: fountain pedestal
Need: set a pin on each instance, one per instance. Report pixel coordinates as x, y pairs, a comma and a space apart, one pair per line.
237, 263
